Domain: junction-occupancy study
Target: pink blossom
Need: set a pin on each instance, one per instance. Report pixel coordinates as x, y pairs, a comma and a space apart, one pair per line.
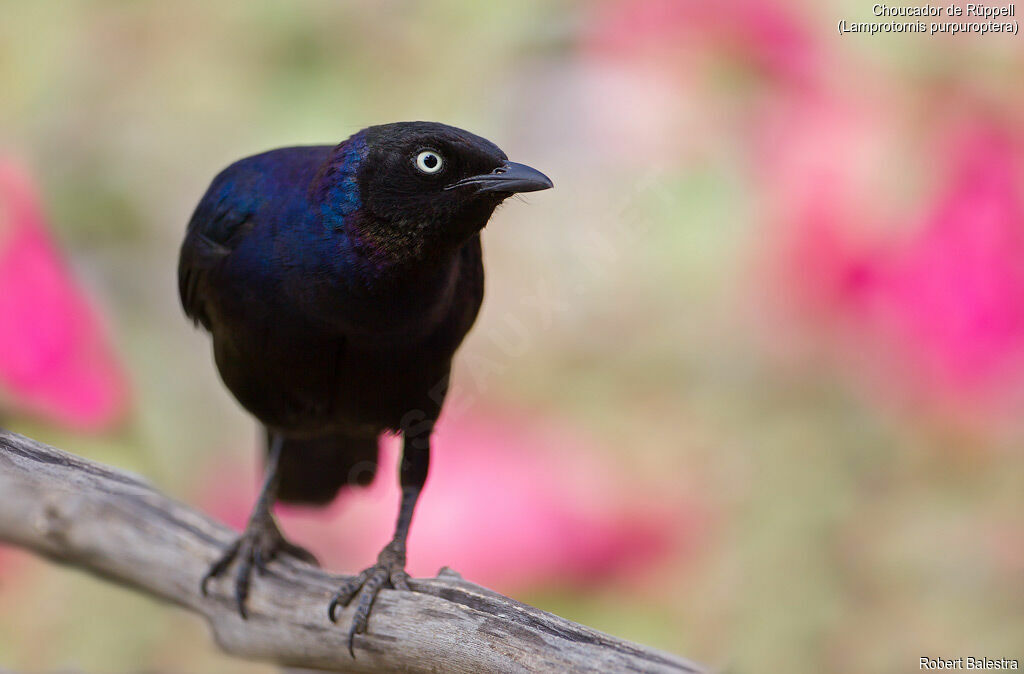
766, 34
650, 72
931, 301
55, 360
510, 502
816, 160
952, 294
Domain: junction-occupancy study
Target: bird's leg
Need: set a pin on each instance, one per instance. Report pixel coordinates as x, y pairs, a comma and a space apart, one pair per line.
390, 566
261, 541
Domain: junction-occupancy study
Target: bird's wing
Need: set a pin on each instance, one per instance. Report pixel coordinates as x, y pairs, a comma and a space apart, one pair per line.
220, 221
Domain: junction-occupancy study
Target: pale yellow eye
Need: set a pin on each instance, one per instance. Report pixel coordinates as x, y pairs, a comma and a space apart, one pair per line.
429, 161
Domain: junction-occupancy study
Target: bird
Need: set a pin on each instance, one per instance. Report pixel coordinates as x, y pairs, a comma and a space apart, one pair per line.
336, 283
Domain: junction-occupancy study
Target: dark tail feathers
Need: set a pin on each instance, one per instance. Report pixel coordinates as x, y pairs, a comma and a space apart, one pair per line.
313, 470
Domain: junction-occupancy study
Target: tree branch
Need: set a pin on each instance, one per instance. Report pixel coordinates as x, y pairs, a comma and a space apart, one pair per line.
117, 526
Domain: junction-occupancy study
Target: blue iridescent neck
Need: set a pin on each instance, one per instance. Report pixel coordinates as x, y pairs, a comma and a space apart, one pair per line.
338, 189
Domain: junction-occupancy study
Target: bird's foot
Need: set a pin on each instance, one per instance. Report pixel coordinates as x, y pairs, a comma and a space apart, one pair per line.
388, 571
259, 544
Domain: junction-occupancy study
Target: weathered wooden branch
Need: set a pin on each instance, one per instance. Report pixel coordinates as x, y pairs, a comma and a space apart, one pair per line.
117, 526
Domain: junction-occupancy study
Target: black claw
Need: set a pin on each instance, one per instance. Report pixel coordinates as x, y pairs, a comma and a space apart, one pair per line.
300, 553
348, 591
352, 641
336, 604
242, 585
260, 560
365, 587
256, 548
332, 610
219, 566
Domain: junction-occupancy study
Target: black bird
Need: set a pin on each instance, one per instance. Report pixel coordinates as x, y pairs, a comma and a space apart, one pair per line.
337, 283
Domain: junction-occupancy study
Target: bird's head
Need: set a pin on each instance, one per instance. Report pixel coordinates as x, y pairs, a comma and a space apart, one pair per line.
412, 186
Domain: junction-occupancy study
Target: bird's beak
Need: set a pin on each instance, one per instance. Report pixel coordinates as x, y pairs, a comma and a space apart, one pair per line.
510, 177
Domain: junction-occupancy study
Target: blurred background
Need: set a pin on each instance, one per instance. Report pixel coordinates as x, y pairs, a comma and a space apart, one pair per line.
748, 385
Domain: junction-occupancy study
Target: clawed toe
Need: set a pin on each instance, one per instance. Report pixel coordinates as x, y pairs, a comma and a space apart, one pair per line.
345, 593
219, 566
249, 555
254, 549
299, 553
364, 589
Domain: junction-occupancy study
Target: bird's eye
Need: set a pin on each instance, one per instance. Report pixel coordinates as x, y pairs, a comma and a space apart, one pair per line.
429, 161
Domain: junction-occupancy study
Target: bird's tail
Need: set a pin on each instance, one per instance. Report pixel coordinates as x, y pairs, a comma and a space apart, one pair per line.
312, 470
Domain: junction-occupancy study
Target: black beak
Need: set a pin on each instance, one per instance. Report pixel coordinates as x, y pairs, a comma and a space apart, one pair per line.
510, 177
